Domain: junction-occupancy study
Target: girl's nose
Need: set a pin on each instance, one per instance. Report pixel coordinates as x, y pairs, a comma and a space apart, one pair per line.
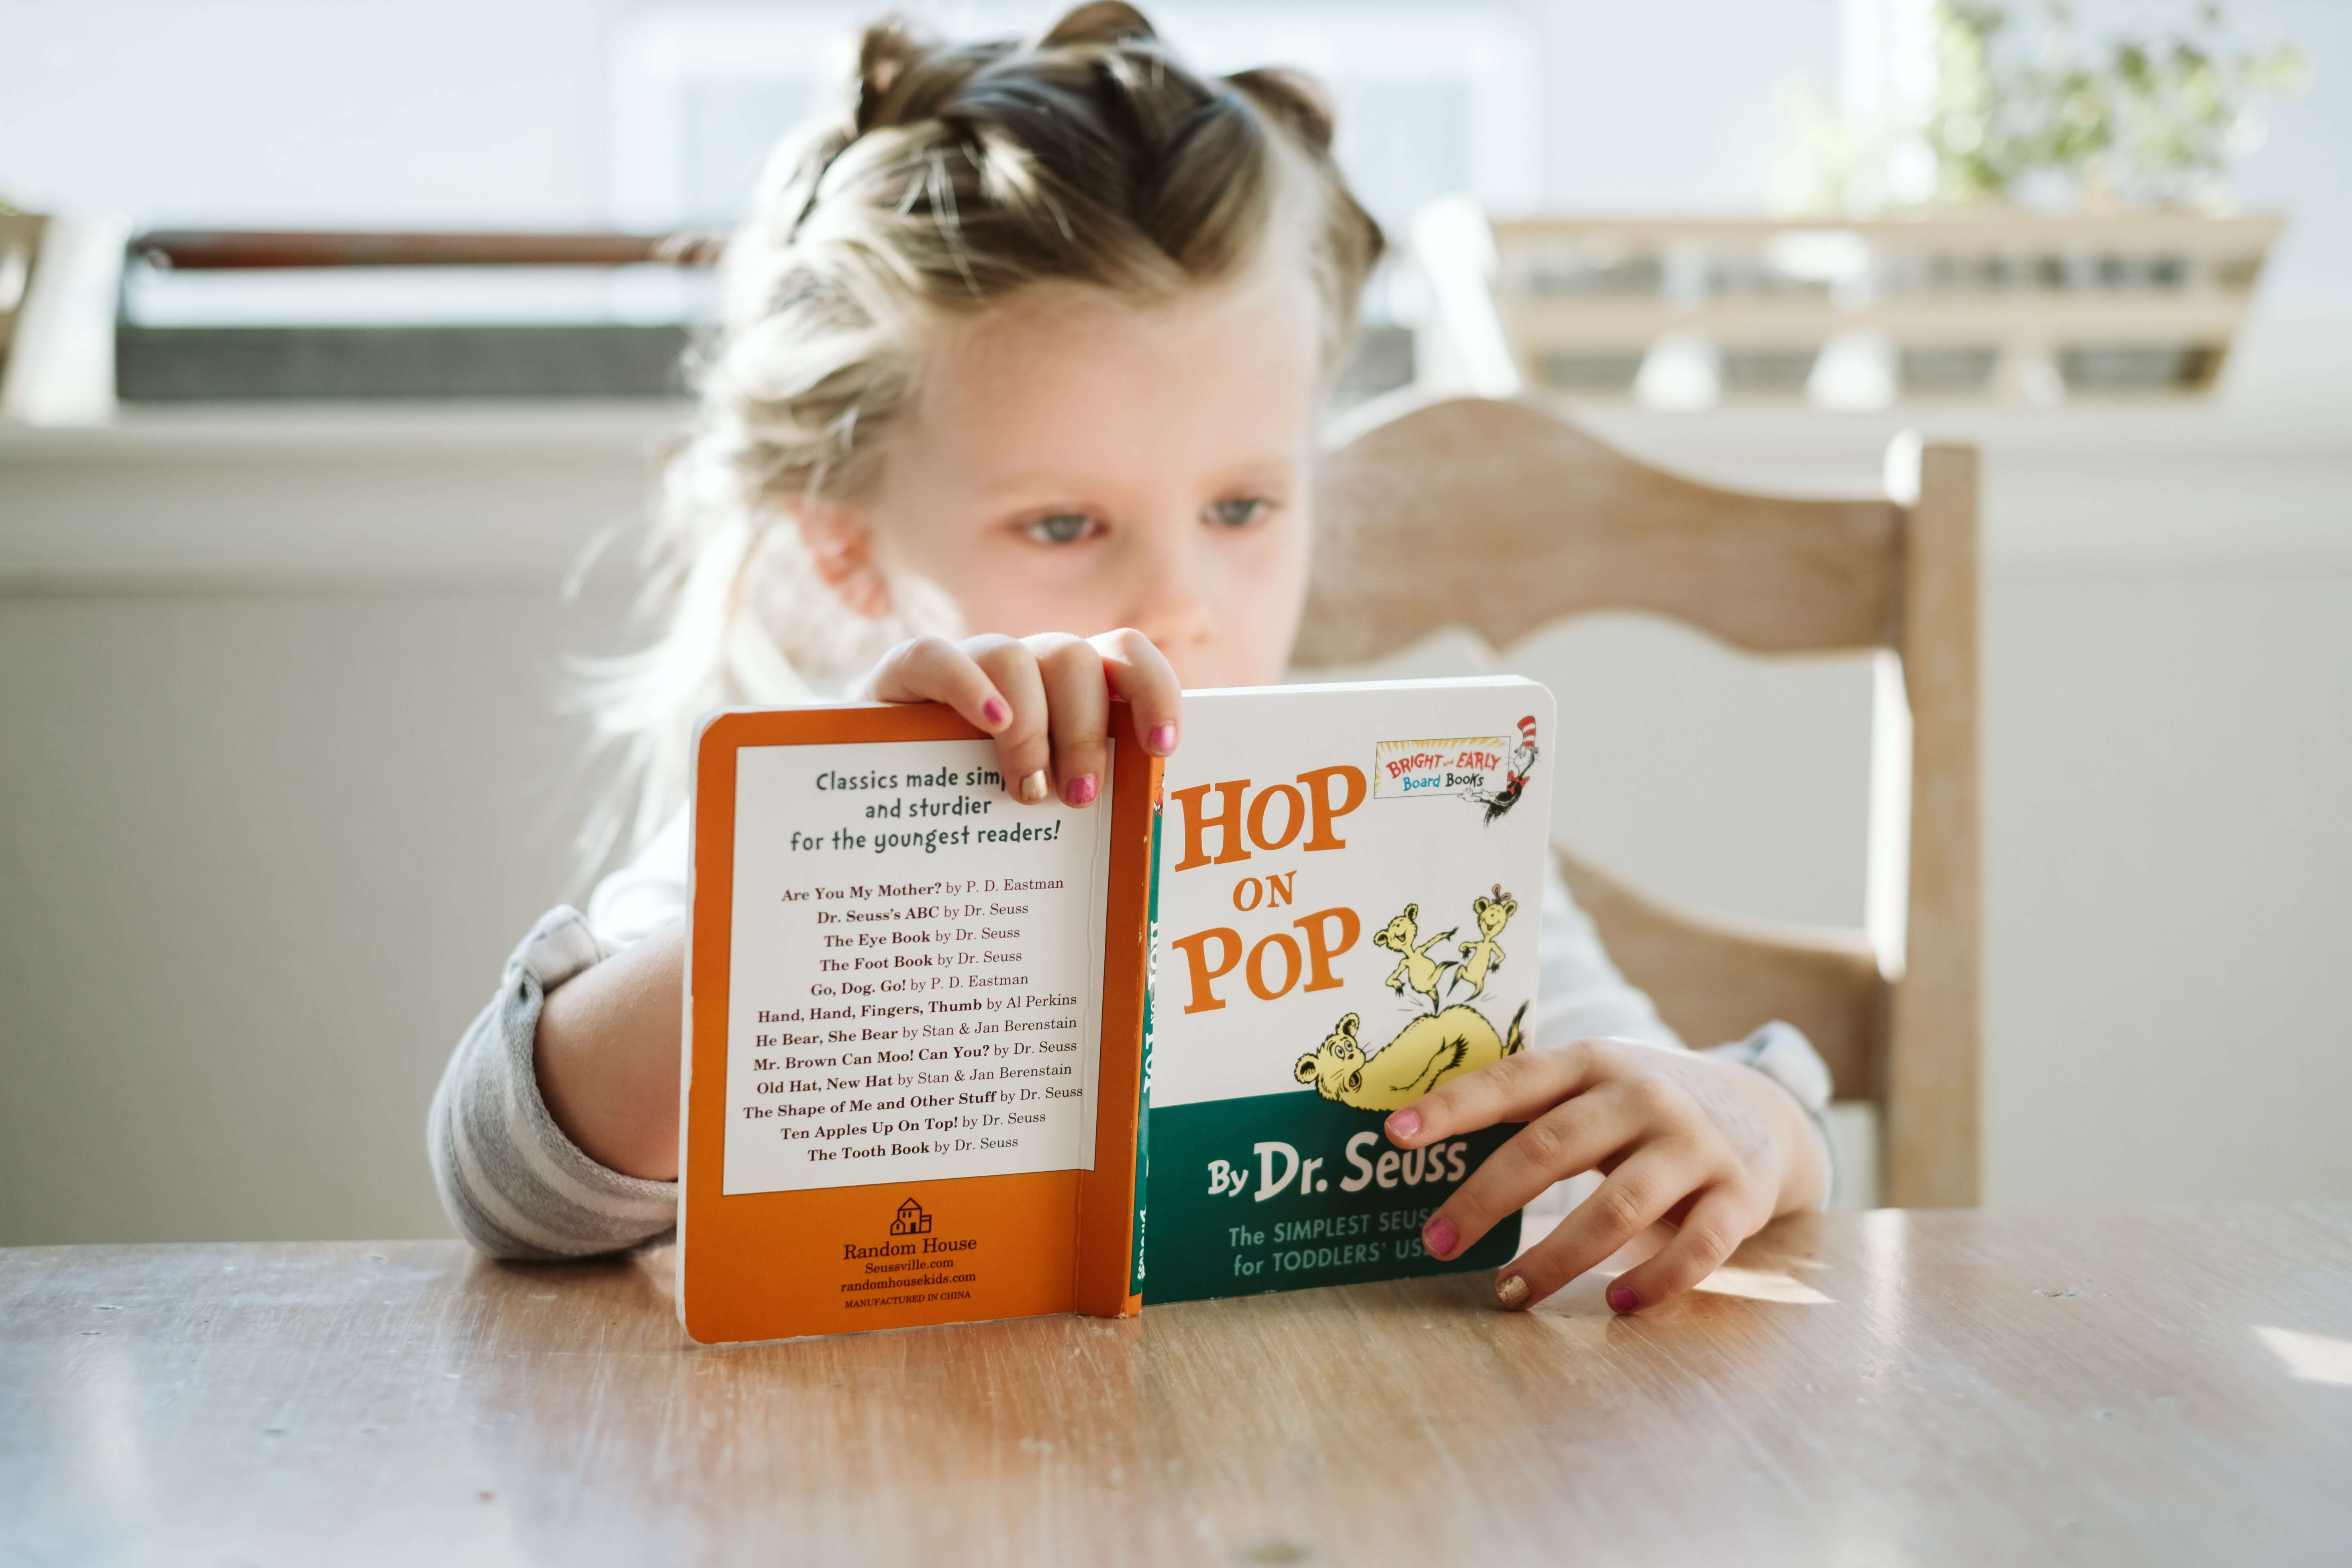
1170, 604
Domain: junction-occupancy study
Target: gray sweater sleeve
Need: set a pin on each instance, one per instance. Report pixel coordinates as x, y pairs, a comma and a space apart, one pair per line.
512, 1184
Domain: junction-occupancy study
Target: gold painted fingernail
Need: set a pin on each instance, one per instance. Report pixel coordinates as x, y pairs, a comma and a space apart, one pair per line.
1512, 1290
1032, 788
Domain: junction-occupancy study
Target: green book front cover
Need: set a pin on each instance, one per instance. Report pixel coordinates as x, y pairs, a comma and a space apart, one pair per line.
1345, 897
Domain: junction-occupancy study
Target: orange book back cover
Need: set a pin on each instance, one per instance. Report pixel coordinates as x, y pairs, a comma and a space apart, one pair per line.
914, 1022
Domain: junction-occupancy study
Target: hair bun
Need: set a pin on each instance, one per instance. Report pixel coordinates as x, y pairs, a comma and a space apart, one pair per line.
885, 52
1101, 22
1295, 99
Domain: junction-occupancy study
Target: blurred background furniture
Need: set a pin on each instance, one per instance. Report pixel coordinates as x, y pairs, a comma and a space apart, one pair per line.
1503, 518
1686, 312
599, 288
381, 315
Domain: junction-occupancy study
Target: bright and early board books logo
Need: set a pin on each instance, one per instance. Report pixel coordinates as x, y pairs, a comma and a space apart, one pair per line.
1487, 770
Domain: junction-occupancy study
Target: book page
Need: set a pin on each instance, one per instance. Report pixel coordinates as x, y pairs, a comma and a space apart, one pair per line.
915, 969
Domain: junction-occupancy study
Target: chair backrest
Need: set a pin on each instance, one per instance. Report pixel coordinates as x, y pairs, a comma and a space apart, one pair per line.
1502, 517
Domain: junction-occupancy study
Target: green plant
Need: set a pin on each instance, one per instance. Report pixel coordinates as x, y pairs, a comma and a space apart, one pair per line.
2153, 122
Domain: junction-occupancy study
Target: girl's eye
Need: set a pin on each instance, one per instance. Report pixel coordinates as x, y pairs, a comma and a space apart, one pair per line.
1239, 512
1062, 528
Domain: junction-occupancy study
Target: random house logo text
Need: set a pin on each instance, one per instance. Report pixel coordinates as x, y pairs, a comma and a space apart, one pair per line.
909, 1236
912, 1264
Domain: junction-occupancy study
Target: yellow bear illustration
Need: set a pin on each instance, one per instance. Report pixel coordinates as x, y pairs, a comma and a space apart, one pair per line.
1483, 956
1431, 1049
1414, 967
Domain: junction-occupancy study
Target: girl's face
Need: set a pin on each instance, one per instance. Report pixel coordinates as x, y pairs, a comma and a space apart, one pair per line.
1077, 464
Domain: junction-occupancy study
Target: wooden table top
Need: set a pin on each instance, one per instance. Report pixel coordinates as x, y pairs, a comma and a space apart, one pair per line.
1963, 1386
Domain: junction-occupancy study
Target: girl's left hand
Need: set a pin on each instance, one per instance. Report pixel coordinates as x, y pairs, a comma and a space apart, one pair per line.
1710, 1147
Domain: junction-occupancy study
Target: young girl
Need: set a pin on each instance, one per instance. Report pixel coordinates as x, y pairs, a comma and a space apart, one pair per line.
1014, 410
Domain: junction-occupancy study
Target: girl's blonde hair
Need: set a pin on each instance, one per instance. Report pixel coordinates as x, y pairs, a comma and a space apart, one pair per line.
959, 174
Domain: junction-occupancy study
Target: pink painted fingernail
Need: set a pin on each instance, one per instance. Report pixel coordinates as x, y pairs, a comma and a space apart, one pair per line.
994, 710
1162, 739
1439, 1237
1622, 1298
1083, 790
1404, 1124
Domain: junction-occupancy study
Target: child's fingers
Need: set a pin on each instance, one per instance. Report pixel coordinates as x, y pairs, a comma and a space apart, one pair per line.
1077, 713
1140, 676
1024, 750
1519, 1088
1718, 1223
1565, 1141
1636, 1196
933, 669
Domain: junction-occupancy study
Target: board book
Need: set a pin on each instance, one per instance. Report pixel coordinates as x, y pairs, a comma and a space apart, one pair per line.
951, 1058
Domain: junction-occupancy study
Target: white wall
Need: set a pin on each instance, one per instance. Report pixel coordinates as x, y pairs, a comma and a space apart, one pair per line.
222, 112
262, 854
2169, 884
281, 783
336, 111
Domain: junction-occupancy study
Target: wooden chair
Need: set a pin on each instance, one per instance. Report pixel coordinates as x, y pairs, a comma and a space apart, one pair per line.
1542, 522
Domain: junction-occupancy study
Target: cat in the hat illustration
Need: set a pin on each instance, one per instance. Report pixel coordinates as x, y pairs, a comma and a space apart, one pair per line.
1515, 780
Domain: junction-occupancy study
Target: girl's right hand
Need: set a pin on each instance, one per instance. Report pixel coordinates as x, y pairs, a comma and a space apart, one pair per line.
1046, 699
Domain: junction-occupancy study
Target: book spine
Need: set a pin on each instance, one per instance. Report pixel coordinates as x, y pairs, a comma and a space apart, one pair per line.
1143, 1106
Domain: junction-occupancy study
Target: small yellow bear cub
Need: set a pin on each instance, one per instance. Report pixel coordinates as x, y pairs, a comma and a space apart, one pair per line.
1483, 957
1415, 968
1436, 1045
